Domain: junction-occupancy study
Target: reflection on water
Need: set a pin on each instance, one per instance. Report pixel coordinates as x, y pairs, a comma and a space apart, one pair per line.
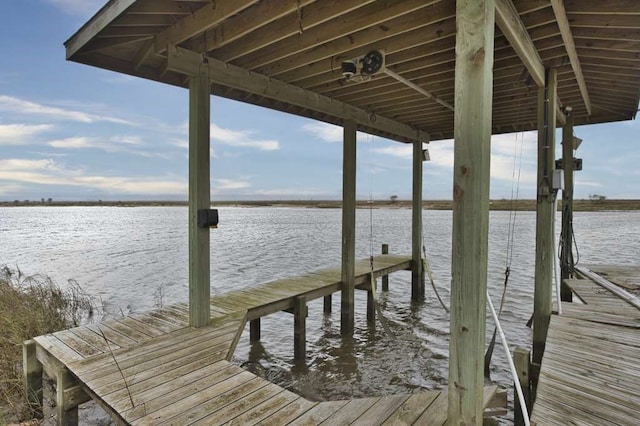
123, 255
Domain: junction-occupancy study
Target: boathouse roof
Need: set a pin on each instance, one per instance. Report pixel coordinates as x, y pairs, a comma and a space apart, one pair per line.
290, 55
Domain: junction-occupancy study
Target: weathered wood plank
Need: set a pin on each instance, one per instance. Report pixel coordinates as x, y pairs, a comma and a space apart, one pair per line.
350, 411
264, 409
318, 414
381, 410
409, 412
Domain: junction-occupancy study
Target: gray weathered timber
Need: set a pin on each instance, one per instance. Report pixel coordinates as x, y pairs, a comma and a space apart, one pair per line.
542, 300
522, 360
65, 415
300, 328
385, 279
180, 374
348, 227
589, 371
417, 271
199, 198
472, 151
566, 259
32, 370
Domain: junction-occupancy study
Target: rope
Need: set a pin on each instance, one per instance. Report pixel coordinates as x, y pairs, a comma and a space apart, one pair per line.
512, 367
427, 268
511, 230
372, 279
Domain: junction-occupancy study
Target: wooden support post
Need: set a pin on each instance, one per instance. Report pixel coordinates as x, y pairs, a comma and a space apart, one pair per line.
417, 273
299, 328
371, 307
348, 228
543, 293
327, 304
32, 370
199, 198
65, 415
521, 360
566, 256
385, 278
254, 330
472, 153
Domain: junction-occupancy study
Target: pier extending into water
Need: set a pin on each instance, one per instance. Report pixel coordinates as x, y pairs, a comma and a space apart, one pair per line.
154, 368
589, 371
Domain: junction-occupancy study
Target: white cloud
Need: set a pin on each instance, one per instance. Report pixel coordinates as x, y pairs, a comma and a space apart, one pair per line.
325, 131
82, 8
328, 132
21, 134
21, 106
241, 138
74, 143
229, 184
48, 172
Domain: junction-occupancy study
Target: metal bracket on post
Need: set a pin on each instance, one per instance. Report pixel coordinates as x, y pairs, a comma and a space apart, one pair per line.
208, 218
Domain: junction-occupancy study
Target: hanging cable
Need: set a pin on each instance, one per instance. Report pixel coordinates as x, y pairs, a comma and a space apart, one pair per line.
511, 230
426, 268
374, 292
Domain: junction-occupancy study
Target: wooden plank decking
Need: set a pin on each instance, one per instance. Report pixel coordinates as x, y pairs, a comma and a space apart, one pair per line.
152, 368
589, 372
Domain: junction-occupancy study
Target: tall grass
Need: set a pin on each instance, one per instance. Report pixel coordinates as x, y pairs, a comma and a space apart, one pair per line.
31, 305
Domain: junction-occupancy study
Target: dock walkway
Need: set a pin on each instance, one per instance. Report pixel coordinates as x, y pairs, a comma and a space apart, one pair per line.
153, 368
589, 372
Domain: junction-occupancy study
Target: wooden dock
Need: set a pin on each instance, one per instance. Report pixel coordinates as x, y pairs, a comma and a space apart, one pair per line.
153, 368
589, 372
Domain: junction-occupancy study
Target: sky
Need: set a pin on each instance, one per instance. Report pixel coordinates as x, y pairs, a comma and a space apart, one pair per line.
73, 132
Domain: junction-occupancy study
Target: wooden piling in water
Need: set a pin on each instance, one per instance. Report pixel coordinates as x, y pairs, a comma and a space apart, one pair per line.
521, 360
254, 330
471, 177
371, 306
543, 294
385, 278
327, 304
348, 228
417, 271
299, 328
566, 260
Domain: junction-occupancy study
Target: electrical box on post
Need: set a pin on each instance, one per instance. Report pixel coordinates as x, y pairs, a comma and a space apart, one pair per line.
558, 180
208, 218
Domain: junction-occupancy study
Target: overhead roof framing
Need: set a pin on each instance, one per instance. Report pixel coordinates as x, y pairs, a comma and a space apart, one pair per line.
300, 44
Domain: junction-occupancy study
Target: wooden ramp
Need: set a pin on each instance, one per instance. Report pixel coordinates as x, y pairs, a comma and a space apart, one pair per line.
589, 373
152, 369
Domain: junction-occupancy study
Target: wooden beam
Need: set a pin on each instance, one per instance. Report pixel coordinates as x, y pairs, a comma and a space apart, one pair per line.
199, 198
206, 17
97, 23
417, 273
348, 228
418, 89
186, 62
515, 31
385, 278
32, 375
471, 177
65, 415
544, 215
254, 330
567, 38
299, 328
241, 25
521, 361
566, 250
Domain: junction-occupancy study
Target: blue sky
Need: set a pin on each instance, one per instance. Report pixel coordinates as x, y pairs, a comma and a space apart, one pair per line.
69, 131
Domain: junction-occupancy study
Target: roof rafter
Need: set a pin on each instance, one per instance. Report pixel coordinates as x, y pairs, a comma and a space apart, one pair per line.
514, 30
201, 20
567, 38
186, 62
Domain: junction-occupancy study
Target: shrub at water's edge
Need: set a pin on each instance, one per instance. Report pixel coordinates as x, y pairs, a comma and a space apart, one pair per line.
31, 306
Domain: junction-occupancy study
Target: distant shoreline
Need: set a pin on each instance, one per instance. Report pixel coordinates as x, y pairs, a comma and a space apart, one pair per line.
498, 205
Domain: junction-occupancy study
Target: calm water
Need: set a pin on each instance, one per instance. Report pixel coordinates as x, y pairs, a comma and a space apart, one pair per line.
128, 256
